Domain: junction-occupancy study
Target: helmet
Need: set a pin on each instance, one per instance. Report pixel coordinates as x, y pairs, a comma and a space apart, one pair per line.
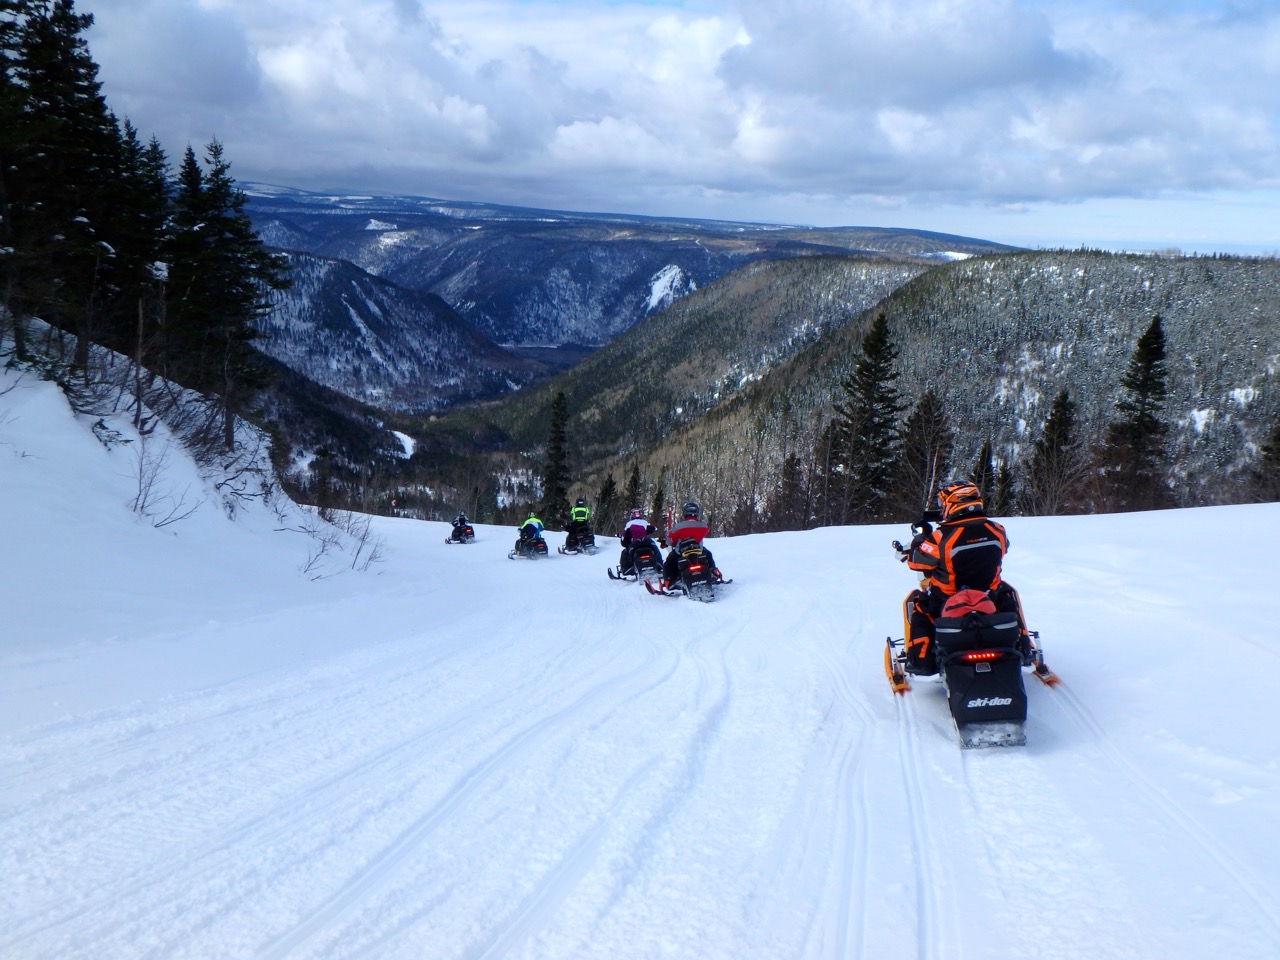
581, 502
959, 499
691, 510
635, 514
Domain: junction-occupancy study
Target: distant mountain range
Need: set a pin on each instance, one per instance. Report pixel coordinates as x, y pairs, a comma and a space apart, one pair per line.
415, 304
703, 354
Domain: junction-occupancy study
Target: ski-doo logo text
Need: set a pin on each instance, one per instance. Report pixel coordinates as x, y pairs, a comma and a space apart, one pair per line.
990, 702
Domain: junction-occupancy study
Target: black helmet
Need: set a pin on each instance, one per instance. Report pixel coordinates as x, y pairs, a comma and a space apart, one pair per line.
691, 510
581, 502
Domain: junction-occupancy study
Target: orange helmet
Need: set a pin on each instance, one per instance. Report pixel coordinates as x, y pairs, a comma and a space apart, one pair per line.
959, 499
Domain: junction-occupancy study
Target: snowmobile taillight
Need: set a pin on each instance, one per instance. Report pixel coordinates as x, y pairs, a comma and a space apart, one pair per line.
695, 568
976, 655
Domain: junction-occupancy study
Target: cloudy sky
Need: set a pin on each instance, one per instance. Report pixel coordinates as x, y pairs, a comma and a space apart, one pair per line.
1108, 123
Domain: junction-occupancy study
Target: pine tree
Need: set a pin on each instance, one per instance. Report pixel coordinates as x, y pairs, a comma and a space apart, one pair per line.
1002, 500
927, 446
631, 493
789, 504
555, 475
142, 217
12, 143
983, 474
1133, 457
1058, 471
220, 282
826, 483
60, 172
658, 511
867, 442
607, 512
1265, 479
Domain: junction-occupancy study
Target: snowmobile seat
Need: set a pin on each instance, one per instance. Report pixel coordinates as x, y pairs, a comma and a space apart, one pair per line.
989, 631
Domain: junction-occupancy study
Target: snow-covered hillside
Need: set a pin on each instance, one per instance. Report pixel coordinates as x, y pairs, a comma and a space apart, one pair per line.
206, 753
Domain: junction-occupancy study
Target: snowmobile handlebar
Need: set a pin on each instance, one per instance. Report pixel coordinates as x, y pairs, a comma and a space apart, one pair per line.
925, 524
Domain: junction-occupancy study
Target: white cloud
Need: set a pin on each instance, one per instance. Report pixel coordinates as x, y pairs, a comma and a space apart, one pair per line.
739, 108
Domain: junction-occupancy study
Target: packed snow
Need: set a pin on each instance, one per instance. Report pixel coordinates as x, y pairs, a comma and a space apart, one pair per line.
209, 750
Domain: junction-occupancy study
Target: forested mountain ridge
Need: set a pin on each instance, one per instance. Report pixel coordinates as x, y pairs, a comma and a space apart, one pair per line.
397, 349
677, 365
996, 338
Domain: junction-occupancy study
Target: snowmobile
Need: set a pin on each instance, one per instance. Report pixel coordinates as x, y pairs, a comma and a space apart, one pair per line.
646, 558
462, 533
529, 548
698, 578
981, 653
579, 541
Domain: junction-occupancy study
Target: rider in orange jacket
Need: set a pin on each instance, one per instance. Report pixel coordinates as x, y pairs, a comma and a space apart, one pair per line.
964, 552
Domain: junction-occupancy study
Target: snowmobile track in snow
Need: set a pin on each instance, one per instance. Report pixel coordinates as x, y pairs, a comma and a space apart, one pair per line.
357, 888
1252, 888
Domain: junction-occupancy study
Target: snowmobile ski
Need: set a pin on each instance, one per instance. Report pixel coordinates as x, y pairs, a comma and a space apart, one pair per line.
657, 590
1045, 675
898, 682
1037, 664
704, 592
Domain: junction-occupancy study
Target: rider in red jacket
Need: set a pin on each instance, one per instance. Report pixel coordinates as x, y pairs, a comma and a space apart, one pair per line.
690, 527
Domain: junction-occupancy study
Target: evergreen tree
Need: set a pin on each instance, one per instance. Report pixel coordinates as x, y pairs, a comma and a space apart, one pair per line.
658, 512
142, 218
1002, 500
555, 475
61, 170
927, 446
12, 143
1058, 471
983, 474
631, 493
1265, 478
867, 442
607, 511
1133, 456
824, 489
788, 507
220, 283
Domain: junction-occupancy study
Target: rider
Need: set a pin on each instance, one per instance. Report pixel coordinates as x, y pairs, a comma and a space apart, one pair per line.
460, 524
689, 528
530, 531
965, 551
578, 530
636, 528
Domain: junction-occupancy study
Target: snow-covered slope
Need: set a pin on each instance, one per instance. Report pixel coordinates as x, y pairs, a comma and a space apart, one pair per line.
206, 753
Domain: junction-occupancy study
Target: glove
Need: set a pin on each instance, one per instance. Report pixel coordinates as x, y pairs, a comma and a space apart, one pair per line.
901, 551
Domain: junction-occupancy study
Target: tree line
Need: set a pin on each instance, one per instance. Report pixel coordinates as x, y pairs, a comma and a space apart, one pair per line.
880, 457
100, 238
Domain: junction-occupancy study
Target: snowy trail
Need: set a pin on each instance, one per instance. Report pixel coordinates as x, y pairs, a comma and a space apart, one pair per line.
469, 757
